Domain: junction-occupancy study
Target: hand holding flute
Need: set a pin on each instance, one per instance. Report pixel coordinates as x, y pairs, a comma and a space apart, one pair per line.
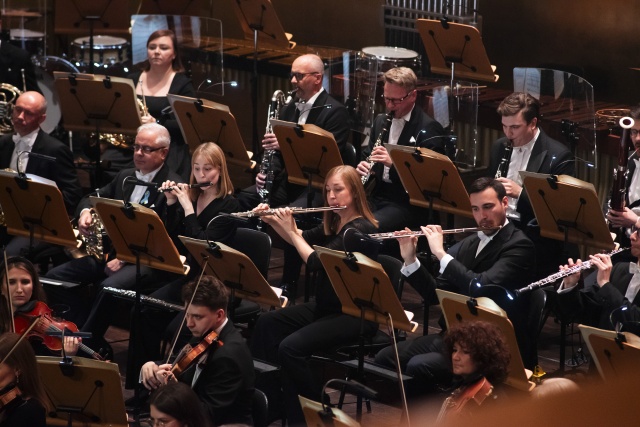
179, 192
601, 261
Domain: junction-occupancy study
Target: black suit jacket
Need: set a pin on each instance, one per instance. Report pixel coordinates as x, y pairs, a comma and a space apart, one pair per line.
225, 385
62, 171
420, 127
12, 61
548, 156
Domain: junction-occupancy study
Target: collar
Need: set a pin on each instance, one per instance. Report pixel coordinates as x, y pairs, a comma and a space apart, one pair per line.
221, 327
306, 105
529, 145
147, 177
28, 139
634, 268
407, 116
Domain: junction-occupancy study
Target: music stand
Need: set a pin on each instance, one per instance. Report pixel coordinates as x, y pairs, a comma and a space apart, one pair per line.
459, 308
33, 207
259, 21
236, 271
97, 103
365, 292
315, 415
615, 354
567, 209
431, 180
202, 120
79, 16
139, 237
88, 394
309, 153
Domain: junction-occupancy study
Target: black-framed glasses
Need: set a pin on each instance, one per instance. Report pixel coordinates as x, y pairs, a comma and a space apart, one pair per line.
633, 133
396, 101
145, 149
300, 76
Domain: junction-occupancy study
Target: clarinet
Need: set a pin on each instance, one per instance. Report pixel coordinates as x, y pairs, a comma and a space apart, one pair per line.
620, 172
503, 167
382, 138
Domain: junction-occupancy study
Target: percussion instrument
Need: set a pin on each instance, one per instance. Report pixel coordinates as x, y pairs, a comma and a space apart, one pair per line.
386, 57
45, 66
31, 41
107, 50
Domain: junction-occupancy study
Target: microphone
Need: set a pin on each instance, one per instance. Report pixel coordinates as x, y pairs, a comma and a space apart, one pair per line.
316, 107
351, 386
32, 154
452, 137
553, 179
135, 181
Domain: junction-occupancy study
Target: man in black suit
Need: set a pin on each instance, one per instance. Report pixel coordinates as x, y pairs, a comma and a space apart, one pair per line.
410, 126
504, 258
150, 151
310, 105
533, 151
13, 63
222, 376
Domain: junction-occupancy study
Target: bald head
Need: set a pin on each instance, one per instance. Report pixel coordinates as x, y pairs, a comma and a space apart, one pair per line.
306, 75
29, 112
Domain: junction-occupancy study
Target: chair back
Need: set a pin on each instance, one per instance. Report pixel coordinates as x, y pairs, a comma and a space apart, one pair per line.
254, 244
260, 409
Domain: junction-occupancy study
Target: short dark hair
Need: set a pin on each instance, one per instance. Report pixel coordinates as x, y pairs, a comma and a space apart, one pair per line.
211, 293
481, 184
635, 113
517, 102
487, 346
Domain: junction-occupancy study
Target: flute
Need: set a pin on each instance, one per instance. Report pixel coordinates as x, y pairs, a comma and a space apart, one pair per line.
200, 185
393, 235
564, 273
295, 211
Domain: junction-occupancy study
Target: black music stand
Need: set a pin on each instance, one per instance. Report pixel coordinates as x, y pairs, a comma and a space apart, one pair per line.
139, 237
309, 153
259, 21
459, 308
97, 103
202, 120
87, 393
431, 180
78, 16
236, 271
616, 354
33, 207
365, 292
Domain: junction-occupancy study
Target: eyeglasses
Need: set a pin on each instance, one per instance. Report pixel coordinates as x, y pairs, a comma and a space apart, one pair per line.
145, 149
300, 76
159, 423
396, 101
633, 132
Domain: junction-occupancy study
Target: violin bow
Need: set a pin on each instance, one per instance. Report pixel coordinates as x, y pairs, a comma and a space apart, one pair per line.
195, 289
9, 298
22, 337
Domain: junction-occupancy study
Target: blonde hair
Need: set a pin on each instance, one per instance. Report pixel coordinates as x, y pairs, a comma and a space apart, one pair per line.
212, 154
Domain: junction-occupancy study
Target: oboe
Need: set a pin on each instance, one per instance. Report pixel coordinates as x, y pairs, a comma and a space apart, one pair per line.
561, 274
295, 211
382, 138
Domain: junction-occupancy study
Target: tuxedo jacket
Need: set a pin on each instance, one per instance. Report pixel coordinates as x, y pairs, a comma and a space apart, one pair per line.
420, 127
226, 384
12, 61
548, 156
62, 171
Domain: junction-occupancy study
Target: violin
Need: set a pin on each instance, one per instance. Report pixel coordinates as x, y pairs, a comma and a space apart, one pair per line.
9, 396
46, 324
188, 355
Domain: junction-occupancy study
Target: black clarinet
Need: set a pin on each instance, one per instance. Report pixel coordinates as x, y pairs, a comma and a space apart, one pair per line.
503, 167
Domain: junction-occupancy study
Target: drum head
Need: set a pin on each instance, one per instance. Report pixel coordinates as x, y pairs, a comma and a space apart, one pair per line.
100, 42
45, 66
25, 34
388, 52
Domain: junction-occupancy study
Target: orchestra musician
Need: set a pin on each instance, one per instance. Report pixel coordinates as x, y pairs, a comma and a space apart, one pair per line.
176, 405
162, 74
308, 106
222, 376
410, 126
26, 401
150, 151
504, 258
13, 63
533, 151
289, 336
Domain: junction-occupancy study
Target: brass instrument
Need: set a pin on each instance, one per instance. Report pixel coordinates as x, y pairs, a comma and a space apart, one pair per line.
120, 140
393, 235
561, 274
503, 167
295, 211
8, 96
91, 244
382, 138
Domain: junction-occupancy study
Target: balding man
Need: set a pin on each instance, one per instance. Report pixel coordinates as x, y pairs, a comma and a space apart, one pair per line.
307, 107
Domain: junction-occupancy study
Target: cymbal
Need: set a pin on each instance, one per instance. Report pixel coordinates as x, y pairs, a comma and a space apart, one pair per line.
20, 13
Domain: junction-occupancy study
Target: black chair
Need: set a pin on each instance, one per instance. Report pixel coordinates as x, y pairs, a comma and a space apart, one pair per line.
260, 409
349, 155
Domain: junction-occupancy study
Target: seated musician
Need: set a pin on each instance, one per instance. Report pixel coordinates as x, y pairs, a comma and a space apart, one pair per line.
28, 114
150, 152
28, 301
616, 285
289, 336
16, 67
176, 404
479, 357
410, 126
533, 151
309, 105
504, 257
222, 376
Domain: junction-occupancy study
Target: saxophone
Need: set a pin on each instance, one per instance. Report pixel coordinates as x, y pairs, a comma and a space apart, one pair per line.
382, 138
503, 167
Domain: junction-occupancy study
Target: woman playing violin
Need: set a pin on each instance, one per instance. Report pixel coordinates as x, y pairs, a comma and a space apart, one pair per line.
26, 292
23, 401
289, 336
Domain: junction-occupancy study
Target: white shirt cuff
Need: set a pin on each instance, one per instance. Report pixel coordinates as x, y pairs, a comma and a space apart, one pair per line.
444, 262
408, 270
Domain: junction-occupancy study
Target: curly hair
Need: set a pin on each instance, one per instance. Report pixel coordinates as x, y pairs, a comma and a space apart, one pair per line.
487, 346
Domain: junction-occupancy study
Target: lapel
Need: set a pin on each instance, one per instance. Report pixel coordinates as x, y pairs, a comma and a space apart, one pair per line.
314, 114
38, 145
538, 154
128, 189
409, 128
467, 252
